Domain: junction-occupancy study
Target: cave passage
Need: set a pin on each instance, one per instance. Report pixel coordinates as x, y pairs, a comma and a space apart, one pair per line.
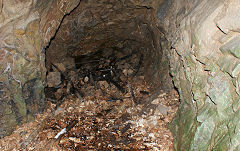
115, 66
107, 82
109, 55
108, 41
94, 75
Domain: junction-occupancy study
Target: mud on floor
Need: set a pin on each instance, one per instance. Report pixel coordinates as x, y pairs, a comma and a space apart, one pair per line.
101, 121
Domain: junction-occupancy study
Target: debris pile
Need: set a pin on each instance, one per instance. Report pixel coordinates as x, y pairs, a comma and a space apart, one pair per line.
102, 69
105, 105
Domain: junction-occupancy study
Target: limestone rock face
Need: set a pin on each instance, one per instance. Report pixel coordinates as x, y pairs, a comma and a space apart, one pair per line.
25, 31
205, 68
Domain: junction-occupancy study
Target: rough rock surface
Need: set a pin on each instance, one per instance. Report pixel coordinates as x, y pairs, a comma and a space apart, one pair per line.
26, 27
205, 69
204, 62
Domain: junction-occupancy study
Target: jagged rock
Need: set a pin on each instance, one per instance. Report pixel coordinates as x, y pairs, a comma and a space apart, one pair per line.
130, 72
209, 70
229, 64
232, 47
125, 72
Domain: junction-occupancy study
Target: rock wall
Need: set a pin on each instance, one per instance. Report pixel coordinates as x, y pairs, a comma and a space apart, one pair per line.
204, 62
22, 68
205, 67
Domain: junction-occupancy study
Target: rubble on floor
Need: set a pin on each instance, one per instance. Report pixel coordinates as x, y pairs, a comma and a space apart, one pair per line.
98, 123
101, 106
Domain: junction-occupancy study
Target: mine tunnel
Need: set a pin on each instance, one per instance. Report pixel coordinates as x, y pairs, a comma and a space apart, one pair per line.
108, 42
114, 55
119, 75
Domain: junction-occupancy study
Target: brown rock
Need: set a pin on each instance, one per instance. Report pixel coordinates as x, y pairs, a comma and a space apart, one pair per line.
60, 66
130, 71
125, 72
53, 79
103, 84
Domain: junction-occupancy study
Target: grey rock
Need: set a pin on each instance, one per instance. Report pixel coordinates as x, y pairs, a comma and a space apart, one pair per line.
162, 109
232, 47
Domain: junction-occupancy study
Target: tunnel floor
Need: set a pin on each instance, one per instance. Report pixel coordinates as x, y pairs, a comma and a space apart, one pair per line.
108, 113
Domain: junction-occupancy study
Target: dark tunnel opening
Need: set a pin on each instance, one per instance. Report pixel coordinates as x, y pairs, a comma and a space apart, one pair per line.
113, 55
107, 83
108, 41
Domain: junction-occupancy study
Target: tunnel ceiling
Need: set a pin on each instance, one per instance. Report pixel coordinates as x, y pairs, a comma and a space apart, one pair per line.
94, 25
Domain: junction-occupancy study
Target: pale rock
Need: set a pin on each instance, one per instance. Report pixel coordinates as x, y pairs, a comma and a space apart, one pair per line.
162, 110
156, 101
125, 72
86, 79
130, 72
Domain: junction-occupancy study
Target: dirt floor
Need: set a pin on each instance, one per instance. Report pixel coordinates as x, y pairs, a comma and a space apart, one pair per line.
111, 108
97, 123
